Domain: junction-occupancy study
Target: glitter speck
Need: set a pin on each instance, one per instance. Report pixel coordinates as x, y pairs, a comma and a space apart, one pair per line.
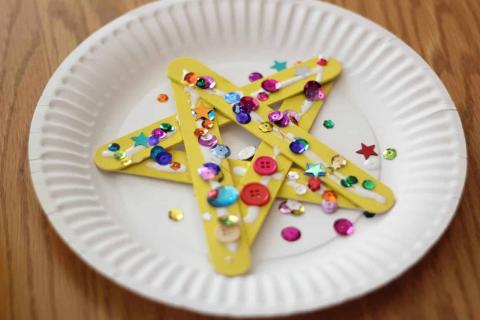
175, 214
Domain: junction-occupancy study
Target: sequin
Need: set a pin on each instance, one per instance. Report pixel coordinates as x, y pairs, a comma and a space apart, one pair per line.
207, 124
175, 214
207, 174
271, 85
329, 206
315, 170
321, 61
389, 154
120, 155
162, 97
254, 76
175, 165
292, 207
155, 151
291, 234
338, 162
222, 196
113, 147
329, 124
284, 122
249, 103
237, 108
265, 127
221, 151
279, 65
232, 97
164, 158
153, 140
300, 189
292, 115
209, 140
243, 117
215, 167
299, 146
314, 183
227, 234
229, 220
293, 175
190, 78
200, 132
367, 151
329, 195
313, 91
348, 181
369, 215
206, 82
344, 227
284, 208
246, 153
262, 96
368, 184
159, 133
167, 127
275, 116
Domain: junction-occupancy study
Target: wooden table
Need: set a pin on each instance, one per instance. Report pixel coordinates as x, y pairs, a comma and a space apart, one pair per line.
40, 278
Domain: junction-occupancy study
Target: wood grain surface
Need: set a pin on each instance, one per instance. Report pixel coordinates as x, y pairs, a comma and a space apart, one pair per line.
40, 278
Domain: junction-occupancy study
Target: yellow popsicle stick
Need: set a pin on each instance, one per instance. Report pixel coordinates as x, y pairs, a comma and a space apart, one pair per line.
149, 168
378, 200
109, 163
254, 216
229, 256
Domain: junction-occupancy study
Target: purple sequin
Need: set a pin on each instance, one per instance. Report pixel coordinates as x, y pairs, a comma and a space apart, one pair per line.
271, 85
209, 140
313, 91
291, 233
275, 116
243, 117
254, 76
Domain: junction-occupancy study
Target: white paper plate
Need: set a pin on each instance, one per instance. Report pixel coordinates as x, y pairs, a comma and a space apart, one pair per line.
387, 96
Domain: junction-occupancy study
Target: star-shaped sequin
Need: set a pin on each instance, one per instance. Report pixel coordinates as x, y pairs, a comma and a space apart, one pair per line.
279, 65
201, 111
302, 71
367, 151
315, 170
140, 140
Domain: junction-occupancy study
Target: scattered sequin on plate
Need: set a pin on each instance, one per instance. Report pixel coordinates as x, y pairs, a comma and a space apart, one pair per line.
162, 98
329, 124
254, 76
389, 154
368, 214
344, 227
175, 214
291, 234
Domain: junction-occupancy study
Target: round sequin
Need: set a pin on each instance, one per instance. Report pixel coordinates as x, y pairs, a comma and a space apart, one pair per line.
329, 195
153, 140
300, 189
175, 214
275, 116
246, 153
265, 127
162, 97
262, 96
313, 91
368, 184
229, 220
265, 165
205, 82
221, 151
292, 115
206, 173
344, 227
232, 97
389, 154
349, 181
167, 127
254, 76
249, 103
215, 167
164, 158
175, 165
222, 196
207, 124
113, 147
255, 194
271, 85
209, 140
120, 155
329, 206
321, 61
243, 117
284, 208
190, 78
314, 183
338, 162
291, 234
292, 207
226, 234
155, 151
200, 132
293, 175
329, 124
284, 122
159, 133
299, 146
369, 215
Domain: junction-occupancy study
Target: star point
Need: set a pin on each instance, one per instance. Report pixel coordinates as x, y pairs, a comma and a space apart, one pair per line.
315, 170
201, 111
367, 151
279, 65
140, 140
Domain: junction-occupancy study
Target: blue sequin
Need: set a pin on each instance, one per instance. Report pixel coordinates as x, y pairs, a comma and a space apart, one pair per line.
221, 151
225, 196
113, 147
243, 117
155, 151
163, 158
232, 97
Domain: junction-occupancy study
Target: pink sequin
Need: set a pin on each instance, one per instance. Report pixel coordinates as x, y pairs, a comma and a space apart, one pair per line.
343, 227
262, 96
271, 85
291, 234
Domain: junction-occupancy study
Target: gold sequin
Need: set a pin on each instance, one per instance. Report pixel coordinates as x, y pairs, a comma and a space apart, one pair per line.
175, 214
265, 127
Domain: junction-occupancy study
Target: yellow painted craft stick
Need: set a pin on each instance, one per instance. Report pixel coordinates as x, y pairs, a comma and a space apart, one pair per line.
130, 152
254, 215
149, 168
346, 180
228, 245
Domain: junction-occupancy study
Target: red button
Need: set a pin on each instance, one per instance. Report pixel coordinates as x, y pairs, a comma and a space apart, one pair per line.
265, 166
255, 194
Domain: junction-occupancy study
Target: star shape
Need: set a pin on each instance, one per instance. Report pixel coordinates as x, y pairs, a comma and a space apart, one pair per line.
315, 170
279, 65
302, 71
201, 111
367, 151
140, 140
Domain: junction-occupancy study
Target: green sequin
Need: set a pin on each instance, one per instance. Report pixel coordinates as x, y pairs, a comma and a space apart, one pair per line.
167, 127
389, 154
368, 184
345, 183
229, 220
120, 155
329, 124
352, 179
200, 83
